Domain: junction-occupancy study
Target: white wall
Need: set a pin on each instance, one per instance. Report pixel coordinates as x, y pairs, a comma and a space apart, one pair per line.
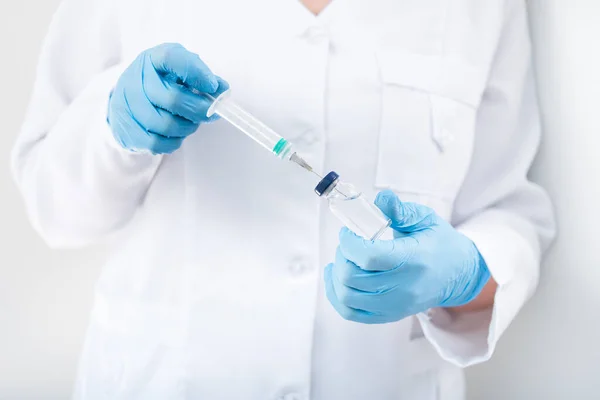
549, 353
553, 349
45, 295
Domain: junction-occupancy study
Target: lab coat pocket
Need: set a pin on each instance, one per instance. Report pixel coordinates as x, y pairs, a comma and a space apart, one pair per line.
130, 354
428, 114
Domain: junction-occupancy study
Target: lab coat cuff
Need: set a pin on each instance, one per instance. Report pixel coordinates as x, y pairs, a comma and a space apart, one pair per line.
511, 252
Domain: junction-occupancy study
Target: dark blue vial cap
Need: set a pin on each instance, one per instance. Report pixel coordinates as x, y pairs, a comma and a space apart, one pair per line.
326, 183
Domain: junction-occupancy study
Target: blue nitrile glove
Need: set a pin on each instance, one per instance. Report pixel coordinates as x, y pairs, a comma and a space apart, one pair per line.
153, 108
428, 264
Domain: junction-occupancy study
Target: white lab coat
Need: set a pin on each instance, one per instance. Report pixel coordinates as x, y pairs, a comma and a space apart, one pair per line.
213, 289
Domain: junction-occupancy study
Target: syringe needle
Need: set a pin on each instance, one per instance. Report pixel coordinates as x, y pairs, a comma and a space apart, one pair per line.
315, 172
300, 161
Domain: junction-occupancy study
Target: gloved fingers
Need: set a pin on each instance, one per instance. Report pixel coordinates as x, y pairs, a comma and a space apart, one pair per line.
172, 97
223, 87
349, 274
396, 302
170, 125
154, 143
135, 137
406, 217
187, 67
398, 283
348, 313
153, 119
158, 144
376, 255
370, 302
124, 123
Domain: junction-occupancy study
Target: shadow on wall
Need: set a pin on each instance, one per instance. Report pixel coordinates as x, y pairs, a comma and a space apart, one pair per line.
552, 351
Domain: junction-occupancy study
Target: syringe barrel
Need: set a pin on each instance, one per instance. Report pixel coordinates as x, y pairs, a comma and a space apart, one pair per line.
226, 108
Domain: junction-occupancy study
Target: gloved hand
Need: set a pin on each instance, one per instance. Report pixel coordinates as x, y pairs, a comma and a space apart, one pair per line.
428, 264
153, 108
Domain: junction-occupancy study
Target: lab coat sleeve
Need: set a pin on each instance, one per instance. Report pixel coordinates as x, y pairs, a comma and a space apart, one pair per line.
509, 218
78, 184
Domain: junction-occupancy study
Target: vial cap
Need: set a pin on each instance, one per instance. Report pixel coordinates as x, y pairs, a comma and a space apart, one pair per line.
326, 183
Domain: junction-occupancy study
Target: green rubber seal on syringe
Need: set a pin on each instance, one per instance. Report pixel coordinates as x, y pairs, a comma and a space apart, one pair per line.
281, 144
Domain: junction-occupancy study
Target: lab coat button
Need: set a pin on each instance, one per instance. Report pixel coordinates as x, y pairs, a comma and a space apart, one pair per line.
292, 396
316, 33
310, 138
299, 267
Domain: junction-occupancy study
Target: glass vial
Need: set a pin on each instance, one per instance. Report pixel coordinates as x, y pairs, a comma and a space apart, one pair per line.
352, 208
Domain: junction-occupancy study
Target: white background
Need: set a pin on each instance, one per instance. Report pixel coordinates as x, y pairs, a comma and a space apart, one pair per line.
551, 352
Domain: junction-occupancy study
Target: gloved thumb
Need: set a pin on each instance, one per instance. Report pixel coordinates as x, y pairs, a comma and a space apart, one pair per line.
406, 217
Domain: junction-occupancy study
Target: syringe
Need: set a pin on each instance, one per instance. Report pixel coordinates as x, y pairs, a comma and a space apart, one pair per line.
227, 109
